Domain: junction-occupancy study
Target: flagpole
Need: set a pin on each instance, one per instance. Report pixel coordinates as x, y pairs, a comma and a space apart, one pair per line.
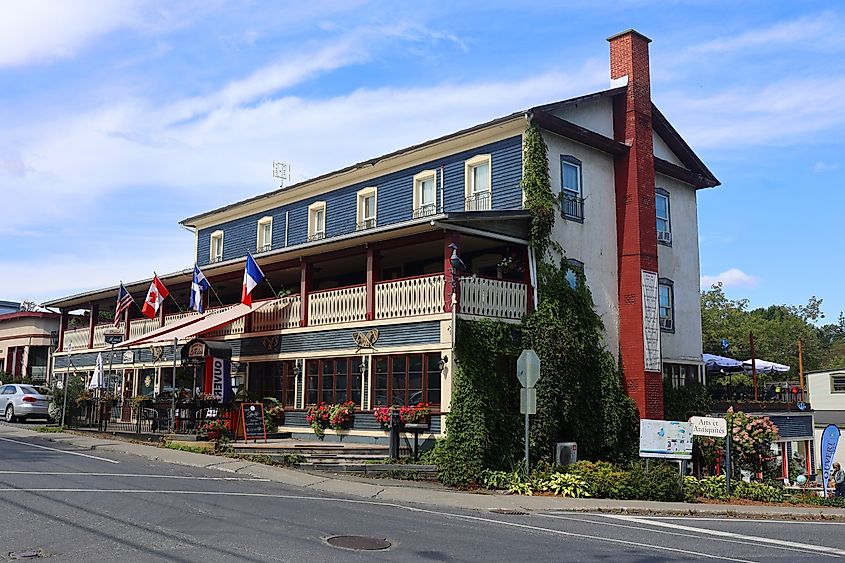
133, 299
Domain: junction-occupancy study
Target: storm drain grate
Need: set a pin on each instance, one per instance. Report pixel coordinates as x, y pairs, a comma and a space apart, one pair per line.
26, 554
509, 511
358, 543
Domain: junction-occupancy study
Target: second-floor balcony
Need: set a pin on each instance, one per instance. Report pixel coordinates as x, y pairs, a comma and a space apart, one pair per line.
393, 299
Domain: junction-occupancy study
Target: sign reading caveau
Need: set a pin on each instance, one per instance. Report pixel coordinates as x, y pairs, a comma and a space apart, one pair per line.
215, 358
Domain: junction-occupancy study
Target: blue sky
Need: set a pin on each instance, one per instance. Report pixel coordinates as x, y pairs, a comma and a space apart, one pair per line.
119, 118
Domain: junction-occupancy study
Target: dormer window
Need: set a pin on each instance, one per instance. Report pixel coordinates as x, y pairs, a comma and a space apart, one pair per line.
317, 221
425, 193
366, 217
264, 237
216, 247
477, 178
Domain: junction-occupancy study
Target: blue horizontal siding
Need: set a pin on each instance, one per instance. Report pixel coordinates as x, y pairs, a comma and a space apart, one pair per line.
394, 201
793, 426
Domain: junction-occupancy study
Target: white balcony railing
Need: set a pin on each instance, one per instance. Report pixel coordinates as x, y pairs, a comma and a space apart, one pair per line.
77, 339
170, 319
140, 327
409, 297
348, 304
281, 315
493, 298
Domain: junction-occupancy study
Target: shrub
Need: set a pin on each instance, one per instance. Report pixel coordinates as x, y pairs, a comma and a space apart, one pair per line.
692, 489
757, 491
713, 487
563, 484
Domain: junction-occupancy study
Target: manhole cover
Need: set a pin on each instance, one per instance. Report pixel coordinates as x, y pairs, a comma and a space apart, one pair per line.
26, 554
509, 511
358, 542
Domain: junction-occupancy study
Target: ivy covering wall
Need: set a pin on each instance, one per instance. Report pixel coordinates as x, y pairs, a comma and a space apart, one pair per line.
580, 396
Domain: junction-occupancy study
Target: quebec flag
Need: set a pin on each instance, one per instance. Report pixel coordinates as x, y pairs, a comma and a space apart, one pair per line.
199, 285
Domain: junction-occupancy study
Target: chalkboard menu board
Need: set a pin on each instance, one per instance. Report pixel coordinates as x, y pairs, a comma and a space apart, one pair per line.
252, 420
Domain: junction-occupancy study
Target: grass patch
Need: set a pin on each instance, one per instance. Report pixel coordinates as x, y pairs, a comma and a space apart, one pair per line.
50, 429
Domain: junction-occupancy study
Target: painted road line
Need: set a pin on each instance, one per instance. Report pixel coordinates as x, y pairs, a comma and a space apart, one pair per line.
741, 519
387, 504
94, 474
705, 531
645, 528
59, 451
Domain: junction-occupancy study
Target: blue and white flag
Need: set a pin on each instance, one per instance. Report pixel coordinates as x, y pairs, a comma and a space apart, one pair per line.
199, 285
830, 439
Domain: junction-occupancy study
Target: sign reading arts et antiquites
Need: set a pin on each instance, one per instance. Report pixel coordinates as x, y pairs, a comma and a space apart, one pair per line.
651, 322
709, 426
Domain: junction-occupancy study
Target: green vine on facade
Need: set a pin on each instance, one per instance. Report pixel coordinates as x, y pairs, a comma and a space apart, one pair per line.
580, 396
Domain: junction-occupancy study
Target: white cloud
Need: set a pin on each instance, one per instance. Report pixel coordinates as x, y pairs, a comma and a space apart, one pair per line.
781, 113
825, 167
811, 31
44, 30
731, 278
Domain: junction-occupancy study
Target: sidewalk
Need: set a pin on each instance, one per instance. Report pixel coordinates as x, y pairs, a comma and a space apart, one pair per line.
409, 492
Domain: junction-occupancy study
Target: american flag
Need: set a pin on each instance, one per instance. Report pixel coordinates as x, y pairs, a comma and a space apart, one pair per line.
124, 301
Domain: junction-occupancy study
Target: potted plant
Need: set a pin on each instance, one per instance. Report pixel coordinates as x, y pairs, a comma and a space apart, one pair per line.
382, 416
318, 418
341, 415
213, 429
418, 416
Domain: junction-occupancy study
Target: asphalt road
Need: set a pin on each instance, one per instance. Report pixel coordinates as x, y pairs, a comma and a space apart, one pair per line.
78, 505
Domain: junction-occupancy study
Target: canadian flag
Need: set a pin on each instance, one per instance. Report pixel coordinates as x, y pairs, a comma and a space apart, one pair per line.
155, 296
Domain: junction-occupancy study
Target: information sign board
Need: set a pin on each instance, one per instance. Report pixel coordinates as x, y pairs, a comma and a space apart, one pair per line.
252, 422
665, 439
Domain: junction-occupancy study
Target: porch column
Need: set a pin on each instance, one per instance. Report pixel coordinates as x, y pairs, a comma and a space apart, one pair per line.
162, 312
305, 272
126, 320
784, 461
451, 285
62, 328
94, 310
373, 256
526, 279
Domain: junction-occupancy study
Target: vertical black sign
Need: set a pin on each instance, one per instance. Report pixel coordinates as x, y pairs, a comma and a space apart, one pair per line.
252, 417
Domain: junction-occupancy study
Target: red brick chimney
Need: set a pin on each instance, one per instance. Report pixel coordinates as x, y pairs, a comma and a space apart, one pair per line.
636, 224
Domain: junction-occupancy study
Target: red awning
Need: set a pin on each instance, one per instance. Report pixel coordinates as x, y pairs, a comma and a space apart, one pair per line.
154, 334
213, 321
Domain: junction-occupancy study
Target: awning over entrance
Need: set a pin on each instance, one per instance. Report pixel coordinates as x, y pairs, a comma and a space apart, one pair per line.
214, 321
153, 335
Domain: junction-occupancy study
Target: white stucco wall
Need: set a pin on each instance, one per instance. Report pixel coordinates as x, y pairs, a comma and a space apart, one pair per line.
592, 242
596, 115
680, 263
661, 150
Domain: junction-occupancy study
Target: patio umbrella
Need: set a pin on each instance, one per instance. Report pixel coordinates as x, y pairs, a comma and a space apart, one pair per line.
765, 367
98, 379
713, 362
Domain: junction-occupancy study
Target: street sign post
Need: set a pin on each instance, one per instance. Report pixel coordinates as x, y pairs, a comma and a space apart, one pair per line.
709, 426
528, 372
528, 368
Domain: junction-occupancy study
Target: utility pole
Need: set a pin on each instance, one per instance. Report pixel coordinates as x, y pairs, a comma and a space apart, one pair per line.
753, 363
801, 366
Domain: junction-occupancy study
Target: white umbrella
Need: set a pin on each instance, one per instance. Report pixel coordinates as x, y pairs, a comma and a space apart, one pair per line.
763, 366
714, 363
98, 379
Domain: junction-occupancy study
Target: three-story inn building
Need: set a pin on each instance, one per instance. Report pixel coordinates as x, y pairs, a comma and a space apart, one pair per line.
364, 293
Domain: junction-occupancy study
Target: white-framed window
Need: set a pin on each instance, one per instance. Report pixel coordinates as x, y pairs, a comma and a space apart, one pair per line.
681, 375
574, 271
571, 188
479, 196
666, 304
425, 193
664, 221
264, 237
216, 247
837, 383
367, 206
317, 221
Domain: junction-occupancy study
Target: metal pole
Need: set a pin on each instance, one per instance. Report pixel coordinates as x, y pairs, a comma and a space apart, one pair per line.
753, 363
64, 399
801, 365
173, 392
728, 460
527, 467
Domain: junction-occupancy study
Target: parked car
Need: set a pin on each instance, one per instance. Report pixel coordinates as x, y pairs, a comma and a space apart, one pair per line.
23, 401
